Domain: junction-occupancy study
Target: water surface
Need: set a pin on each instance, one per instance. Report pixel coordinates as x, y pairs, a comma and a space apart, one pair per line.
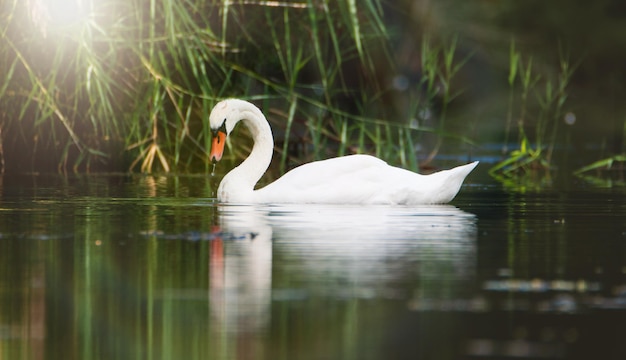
142, 267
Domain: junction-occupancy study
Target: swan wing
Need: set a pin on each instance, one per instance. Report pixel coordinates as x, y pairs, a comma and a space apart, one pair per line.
338, 180
362, 179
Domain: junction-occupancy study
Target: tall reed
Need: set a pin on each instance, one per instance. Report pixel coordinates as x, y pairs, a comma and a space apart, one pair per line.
535, 151
134, 77
129, 84
440, 67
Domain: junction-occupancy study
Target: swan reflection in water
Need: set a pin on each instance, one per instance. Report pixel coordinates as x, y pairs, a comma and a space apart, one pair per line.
337, 251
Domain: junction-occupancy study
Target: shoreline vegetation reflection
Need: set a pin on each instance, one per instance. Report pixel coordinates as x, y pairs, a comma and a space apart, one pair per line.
154, 267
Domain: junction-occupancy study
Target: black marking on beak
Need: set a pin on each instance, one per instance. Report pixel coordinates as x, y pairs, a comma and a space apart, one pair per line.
220, 129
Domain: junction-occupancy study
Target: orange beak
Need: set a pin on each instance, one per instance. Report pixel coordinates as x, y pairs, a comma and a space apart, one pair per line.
217, 146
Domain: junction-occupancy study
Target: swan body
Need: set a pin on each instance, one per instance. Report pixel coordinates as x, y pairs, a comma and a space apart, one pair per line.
353, 179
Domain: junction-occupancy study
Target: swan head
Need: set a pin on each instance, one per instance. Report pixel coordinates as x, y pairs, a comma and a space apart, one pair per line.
222, 120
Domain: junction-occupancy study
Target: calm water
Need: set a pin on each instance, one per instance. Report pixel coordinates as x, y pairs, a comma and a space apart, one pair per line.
153, 268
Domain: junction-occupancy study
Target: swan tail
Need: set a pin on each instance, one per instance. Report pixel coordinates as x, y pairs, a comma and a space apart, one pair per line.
454, 179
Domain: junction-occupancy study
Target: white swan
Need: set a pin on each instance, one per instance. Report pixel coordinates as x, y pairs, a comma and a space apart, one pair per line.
353, 179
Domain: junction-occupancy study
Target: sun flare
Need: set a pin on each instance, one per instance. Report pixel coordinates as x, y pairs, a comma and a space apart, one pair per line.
58, 14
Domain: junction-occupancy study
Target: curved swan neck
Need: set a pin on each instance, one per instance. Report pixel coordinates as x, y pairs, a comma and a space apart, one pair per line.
244, 177
261, 155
